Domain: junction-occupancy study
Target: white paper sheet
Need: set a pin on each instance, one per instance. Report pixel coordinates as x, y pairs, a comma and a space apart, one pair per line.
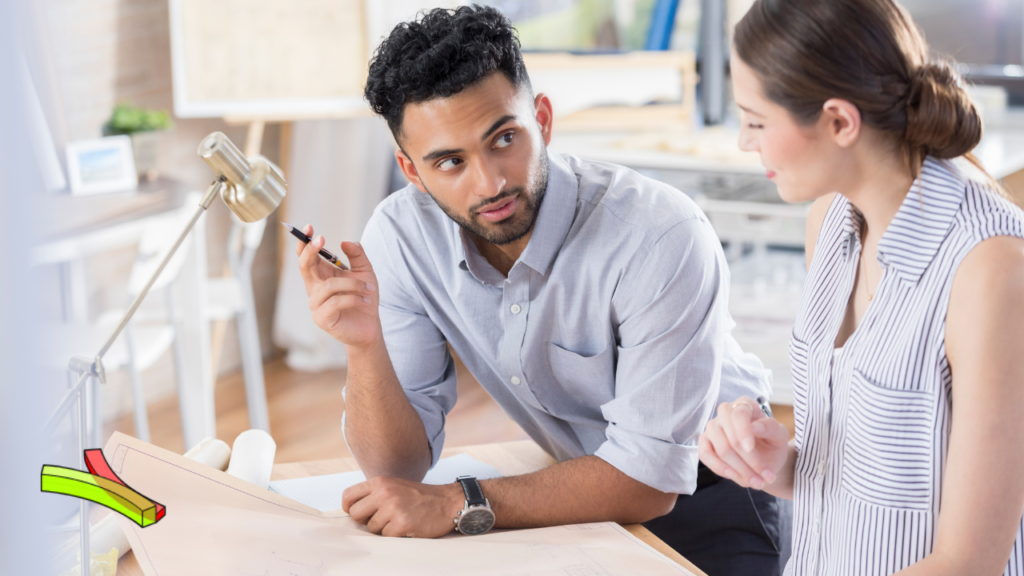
324, 492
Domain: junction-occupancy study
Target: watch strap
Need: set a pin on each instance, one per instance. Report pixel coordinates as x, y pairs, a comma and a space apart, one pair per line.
474, 494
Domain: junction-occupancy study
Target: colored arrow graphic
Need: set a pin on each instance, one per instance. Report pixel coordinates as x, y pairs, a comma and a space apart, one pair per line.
102, 486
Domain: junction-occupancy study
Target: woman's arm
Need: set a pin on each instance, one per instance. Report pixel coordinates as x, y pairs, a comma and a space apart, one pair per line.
983, 485
741, 443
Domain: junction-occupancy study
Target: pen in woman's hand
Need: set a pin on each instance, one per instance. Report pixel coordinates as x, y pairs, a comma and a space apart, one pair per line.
324, 253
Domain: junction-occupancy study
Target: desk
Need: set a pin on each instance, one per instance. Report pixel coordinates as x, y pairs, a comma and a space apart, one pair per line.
509, 458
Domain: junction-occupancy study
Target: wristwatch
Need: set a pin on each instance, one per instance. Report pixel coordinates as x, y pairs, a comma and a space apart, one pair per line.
476, 517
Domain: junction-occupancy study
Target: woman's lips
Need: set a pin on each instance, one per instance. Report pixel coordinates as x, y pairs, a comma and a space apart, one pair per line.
502, 211
771, 174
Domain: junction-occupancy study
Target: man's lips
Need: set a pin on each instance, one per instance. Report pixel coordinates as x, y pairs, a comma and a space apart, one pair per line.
500, 210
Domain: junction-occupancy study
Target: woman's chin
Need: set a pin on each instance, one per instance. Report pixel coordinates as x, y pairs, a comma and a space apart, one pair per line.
794, 195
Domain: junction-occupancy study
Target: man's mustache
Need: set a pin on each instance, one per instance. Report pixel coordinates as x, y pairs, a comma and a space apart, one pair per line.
507, 193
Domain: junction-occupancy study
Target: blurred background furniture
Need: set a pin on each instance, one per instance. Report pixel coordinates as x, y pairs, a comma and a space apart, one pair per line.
85, 227
231, 297
147, 337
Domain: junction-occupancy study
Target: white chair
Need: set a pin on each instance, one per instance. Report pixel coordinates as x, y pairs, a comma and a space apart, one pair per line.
232, 297
150, 333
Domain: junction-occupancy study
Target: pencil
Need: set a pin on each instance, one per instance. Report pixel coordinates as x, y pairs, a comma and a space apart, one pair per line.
324, 253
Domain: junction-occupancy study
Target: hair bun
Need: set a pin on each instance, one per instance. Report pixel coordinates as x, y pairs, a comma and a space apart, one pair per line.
941, 119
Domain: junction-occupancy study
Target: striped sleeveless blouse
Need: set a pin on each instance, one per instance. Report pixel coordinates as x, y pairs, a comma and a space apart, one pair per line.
873, 423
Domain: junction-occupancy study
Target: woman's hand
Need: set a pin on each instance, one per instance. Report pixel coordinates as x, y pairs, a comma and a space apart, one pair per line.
343, 302
746, 446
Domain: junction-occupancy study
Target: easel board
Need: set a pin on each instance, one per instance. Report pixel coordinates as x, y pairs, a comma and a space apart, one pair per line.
268, 58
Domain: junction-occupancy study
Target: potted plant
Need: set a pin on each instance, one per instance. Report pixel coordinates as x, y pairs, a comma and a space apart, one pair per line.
143, 127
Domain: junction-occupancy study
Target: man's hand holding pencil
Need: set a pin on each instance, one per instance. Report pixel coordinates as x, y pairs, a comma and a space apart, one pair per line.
343, 302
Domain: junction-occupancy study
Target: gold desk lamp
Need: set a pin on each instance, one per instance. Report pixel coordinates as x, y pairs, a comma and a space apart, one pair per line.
252, 189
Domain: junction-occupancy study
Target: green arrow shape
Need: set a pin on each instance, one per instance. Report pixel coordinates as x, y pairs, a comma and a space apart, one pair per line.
117, 497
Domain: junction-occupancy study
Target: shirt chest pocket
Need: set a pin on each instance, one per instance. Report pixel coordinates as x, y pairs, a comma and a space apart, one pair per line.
889, 445
582, 382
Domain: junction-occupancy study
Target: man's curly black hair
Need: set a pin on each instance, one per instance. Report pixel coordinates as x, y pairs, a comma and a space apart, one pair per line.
440, 54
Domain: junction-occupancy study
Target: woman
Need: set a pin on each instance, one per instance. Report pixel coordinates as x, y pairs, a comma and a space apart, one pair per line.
908, 350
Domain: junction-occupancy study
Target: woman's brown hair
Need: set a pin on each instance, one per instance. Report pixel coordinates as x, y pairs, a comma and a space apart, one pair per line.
870, 53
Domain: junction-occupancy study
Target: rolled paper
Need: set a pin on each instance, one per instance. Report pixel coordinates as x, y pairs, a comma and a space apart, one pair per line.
252, 457
212, 452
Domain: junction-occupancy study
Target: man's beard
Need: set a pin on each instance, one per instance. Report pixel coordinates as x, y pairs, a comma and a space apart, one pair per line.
514, 227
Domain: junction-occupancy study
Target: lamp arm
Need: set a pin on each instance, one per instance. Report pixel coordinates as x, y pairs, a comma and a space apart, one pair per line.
207, 200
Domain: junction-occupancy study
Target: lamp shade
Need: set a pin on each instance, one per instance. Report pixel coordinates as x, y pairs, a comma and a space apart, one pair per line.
255, 187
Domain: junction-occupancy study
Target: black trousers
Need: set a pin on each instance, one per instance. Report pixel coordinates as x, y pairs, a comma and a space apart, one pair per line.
725, 530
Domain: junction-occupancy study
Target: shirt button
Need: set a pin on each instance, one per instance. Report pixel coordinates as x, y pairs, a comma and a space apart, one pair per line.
821, 468
516, 381
516, 309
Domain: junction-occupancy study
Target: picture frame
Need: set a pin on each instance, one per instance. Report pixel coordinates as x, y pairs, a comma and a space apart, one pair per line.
101, 165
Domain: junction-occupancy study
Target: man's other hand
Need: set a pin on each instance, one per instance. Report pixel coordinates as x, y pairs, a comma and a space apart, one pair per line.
343, 302
400, 508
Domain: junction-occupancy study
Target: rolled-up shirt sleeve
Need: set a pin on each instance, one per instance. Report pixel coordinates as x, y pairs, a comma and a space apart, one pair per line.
418, 350
672, 306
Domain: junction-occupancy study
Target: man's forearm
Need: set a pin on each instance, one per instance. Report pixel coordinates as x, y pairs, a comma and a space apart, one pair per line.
382, 428
586, 489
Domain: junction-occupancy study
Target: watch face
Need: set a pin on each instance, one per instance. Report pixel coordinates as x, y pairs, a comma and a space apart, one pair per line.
476, 521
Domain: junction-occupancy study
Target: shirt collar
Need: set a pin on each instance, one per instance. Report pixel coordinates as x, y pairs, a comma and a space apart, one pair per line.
922, 222
556, 215
557, 212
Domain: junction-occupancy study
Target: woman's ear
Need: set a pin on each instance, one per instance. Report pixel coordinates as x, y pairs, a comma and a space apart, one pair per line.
841, 121
409, 169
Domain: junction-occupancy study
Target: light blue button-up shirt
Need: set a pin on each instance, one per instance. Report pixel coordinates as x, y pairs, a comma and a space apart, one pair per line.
610, 336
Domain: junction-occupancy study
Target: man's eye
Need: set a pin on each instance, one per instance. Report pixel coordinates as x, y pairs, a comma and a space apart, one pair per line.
449, 163
504, 140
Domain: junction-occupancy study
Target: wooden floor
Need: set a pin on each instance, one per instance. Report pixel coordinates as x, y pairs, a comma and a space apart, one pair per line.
305, 415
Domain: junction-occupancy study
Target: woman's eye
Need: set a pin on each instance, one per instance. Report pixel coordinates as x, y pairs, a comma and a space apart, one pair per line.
756, 126
449, 163
504, 140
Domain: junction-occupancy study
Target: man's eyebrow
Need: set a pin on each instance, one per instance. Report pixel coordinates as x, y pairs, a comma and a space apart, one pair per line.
438, 153
497, 125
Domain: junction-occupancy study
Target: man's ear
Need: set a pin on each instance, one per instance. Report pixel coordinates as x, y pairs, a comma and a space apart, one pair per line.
842, 121
409, 169
545, 118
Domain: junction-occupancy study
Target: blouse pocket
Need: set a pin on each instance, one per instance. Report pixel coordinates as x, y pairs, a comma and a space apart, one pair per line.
889, 445
799, 362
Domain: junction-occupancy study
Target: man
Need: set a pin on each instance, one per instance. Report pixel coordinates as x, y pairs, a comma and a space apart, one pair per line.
589, 301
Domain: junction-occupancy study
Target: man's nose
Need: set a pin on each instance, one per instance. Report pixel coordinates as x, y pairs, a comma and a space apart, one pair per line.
489, 181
